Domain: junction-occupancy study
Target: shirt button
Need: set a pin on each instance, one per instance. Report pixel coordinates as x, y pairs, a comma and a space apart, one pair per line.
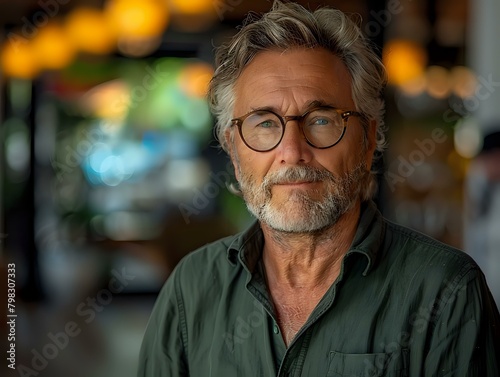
276, 329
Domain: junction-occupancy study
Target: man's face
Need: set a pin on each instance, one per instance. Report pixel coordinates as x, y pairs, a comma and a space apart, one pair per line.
296, 187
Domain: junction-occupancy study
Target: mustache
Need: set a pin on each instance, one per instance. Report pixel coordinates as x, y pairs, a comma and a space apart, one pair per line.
293, 174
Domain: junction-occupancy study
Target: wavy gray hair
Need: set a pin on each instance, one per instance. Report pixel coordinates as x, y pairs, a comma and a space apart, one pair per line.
289, 25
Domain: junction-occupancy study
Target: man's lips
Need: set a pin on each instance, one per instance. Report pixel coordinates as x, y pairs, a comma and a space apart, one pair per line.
295, 183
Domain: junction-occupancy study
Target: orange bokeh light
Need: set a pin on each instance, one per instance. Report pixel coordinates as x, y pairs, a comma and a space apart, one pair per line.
192, 6
53, 48
194, 79
438, 81
90, 32
404, 60
130, 18
464, 81
18, 59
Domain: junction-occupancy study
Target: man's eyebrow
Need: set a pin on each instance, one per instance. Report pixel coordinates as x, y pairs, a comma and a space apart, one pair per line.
318, 103
265, 108
310, 105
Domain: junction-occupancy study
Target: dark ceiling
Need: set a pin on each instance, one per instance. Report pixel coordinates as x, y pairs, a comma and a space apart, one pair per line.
13, 11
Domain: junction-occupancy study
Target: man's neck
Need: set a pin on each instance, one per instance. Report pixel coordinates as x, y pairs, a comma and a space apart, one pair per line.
308, 261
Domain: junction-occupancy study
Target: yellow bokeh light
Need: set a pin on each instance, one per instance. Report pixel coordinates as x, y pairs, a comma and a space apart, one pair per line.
438, 81
463, 81
414, 87
130, 18
18, 59
109, 101
53, 47
90, 31
138, 46
467, 138
192, 6
192, 16
194, 79
404, 61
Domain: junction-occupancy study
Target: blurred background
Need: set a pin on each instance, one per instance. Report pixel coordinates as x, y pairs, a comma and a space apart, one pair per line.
109, 171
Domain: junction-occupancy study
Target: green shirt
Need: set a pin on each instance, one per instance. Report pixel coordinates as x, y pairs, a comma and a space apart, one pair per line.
403, 305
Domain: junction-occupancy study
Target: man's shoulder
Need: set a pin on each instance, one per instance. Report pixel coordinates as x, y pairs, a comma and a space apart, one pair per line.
418, 239
200, 279
420, 250
213, 254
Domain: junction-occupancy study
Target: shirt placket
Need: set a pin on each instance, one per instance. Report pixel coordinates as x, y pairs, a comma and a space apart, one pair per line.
272, 333
295, 355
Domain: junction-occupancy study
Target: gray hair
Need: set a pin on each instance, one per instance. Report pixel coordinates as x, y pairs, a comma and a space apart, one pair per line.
289, 25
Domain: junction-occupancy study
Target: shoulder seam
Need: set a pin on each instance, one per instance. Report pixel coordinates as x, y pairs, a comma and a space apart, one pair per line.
453, 288
419, 237
182, 315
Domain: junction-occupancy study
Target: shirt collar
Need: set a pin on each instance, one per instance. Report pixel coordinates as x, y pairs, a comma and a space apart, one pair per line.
369, 235
247, 246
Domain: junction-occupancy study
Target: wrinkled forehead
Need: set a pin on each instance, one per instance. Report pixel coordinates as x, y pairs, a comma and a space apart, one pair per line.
294, 77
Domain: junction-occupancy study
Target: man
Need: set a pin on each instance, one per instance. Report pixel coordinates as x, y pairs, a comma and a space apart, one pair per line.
321, 284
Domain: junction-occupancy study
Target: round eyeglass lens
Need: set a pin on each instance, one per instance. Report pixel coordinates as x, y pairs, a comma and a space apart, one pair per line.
323, 127
262, 130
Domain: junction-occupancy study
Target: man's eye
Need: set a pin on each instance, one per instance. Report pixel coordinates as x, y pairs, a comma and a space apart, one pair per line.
267, 124
320, 122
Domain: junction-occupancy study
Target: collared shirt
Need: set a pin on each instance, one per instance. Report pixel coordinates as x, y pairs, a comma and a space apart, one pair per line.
403, 305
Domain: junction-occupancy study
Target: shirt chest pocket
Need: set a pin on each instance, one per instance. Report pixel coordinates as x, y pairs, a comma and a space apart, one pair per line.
368, 364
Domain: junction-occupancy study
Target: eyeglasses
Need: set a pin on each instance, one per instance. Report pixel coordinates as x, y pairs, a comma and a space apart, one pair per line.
323, 127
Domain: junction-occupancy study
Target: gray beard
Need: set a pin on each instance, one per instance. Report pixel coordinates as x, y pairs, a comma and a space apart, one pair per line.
303, 212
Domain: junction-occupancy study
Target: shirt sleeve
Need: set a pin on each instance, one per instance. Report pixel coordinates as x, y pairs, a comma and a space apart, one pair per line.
163, 348
466, 338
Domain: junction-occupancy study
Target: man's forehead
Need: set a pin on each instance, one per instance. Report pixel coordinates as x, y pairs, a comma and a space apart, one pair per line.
294, 61
302, 75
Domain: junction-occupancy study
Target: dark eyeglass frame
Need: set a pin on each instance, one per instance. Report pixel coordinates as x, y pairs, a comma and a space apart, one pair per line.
344, 114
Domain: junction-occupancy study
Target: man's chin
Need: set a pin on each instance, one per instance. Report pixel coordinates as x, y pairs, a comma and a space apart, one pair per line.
295, 227
291, 220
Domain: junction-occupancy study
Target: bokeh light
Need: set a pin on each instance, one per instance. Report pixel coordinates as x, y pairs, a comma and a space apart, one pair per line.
438, 81
136, 47
109, 101
467, 138
414, 87
89, 31
404, 60
463, 81
192, 6
18, 59
53, 48
17, 148
130, 18
193, 16
194, 79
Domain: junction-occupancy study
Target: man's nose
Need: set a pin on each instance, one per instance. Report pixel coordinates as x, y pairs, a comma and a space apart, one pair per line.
293, 148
